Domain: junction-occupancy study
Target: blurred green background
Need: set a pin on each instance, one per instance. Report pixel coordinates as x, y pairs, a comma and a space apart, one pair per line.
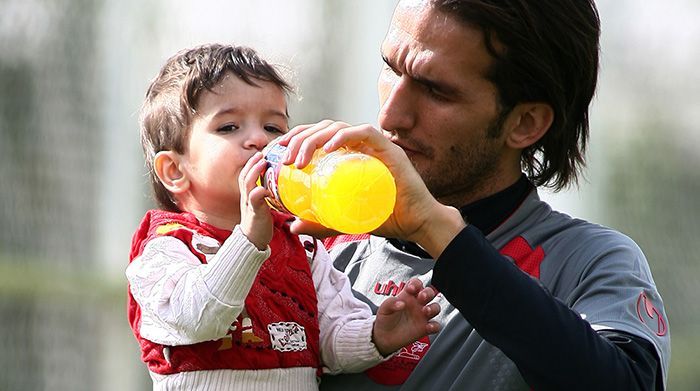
73, 189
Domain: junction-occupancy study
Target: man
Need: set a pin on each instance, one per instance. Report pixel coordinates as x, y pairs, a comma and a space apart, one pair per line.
474, 93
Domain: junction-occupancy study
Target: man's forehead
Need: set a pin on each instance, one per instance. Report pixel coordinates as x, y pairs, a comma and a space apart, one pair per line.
430, 34
413, 3
420, 20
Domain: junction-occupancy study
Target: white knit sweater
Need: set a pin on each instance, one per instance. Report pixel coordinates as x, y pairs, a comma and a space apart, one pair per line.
184, 302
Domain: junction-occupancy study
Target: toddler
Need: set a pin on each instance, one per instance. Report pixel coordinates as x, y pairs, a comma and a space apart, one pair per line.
221, 295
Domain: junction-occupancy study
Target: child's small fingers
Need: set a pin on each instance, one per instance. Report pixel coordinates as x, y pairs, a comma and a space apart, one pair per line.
426, 295
257, 196
257, 170
257, 156
251, 177
388, 306
246, 170
432, 327
399, 305
413, 286
431, 310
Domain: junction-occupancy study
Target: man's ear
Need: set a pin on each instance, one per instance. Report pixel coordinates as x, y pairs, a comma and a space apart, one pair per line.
531, 122
166, 165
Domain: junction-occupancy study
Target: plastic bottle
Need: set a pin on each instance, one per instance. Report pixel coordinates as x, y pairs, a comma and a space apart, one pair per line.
344, 190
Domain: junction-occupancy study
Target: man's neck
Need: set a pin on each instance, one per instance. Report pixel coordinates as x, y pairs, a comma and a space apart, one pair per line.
485, 214
488, 213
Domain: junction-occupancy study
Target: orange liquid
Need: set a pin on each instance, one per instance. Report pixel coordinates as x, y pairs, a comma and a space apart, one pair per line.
346, 191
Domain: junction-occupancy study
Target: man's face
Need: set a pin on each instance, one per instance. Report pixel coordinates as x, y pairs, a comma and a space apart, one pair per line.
437, 104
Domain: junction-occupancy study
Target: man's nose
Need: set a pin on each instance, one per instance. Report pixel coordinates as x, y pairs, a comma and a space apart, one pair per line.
397, 106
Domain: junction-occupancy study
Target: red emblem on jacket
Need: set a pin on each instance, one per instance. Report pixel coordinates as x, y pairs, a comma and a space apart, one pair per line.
650, 316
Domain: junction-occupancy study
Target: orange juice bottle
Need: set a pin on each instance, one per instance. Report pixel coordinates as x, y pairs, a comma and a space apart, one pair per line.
344, 190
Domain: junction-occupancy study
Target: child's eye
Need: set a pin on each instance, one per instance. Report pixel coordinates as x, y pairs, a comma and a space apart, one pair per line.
227, 128
274, 129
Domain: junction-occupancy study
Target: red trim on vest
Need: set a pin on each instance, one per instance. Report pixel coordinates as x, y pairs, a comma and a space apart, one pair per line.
283, 294
525, 257
397, 369
345, 238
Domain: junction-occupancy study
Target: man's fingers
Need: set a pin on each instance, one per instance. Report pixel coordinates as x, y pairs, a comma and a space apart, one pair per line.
285, 138
315, 138
358, 136
299, 226
294, 139
303, 140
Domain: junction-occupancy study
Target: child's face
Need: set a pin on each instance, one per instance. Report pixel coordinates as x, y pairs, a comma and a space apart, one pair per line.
232, 123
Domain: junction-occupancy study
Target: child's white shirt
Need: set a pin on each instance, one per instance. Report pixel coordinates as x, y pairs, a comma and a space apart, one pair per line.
184, 302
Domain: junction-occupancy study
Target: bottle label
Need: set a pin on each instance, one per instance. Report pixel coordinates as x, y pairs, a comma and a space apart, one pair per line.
273, 154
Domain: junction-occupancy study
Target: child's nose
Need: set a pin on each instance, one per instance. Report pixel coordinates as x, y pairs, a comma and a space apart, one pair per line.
258, 139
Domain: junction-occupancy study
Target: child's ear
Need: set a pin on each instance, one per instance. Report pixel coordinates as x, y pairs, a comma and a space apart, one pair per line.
531, 122
166, 165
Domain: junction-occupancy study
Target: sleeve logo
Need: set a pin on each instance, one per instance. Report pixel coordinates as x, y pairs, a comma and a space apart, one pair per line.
650, 316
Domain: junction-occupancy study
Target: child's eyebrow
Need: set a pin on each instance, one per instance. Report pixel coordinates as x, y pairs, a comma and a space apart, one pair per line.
278, 113
226, 111
235, 110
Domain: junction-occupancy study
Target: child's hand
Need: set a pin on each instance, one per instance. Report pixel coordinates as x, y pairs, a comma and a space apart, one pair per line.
256, 220
405, 318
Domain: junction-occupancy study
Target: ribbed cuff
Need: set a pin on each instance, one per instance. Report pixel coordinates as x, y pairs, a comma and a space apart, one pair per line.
232, 271
354, 347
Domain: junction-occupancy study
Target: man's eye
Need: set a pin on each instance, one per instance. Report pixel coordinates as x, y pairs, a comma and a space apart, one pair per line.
227, 128
437, 95
388, 69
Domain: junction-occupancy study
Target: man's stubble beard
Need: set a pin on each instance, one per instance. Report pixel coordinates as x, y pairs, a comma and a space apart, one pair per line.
468, 173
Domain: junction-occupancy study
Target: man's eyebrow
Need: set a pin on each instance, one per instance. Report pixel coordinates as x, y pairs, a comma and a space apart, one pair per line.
437, 85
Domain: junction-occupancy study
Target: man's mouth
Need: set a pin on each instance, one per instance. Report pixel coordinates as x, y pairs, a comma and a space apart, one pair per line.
411, 149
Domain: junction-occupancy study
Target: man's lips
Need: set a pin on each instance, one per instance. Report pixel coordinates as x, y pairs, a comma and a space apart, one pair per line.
407, 147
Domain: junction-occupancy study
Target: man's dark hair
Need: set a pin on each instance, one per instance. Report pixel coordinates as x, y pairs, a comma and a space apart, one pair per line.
172, 98
544, 51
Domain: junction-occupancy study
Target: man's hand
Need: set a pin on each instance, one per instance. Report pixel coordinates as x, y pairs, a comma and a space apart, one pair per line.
417, 216
256, 220
405, 318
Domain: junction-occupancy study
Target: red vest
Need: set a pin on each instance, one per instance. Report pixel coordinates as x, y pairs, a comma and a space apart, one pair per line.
267, 334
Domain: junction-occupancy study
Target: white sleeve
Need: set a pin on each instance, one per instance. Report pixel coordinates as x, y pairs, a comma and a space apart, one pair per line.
345, 322
184, 301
